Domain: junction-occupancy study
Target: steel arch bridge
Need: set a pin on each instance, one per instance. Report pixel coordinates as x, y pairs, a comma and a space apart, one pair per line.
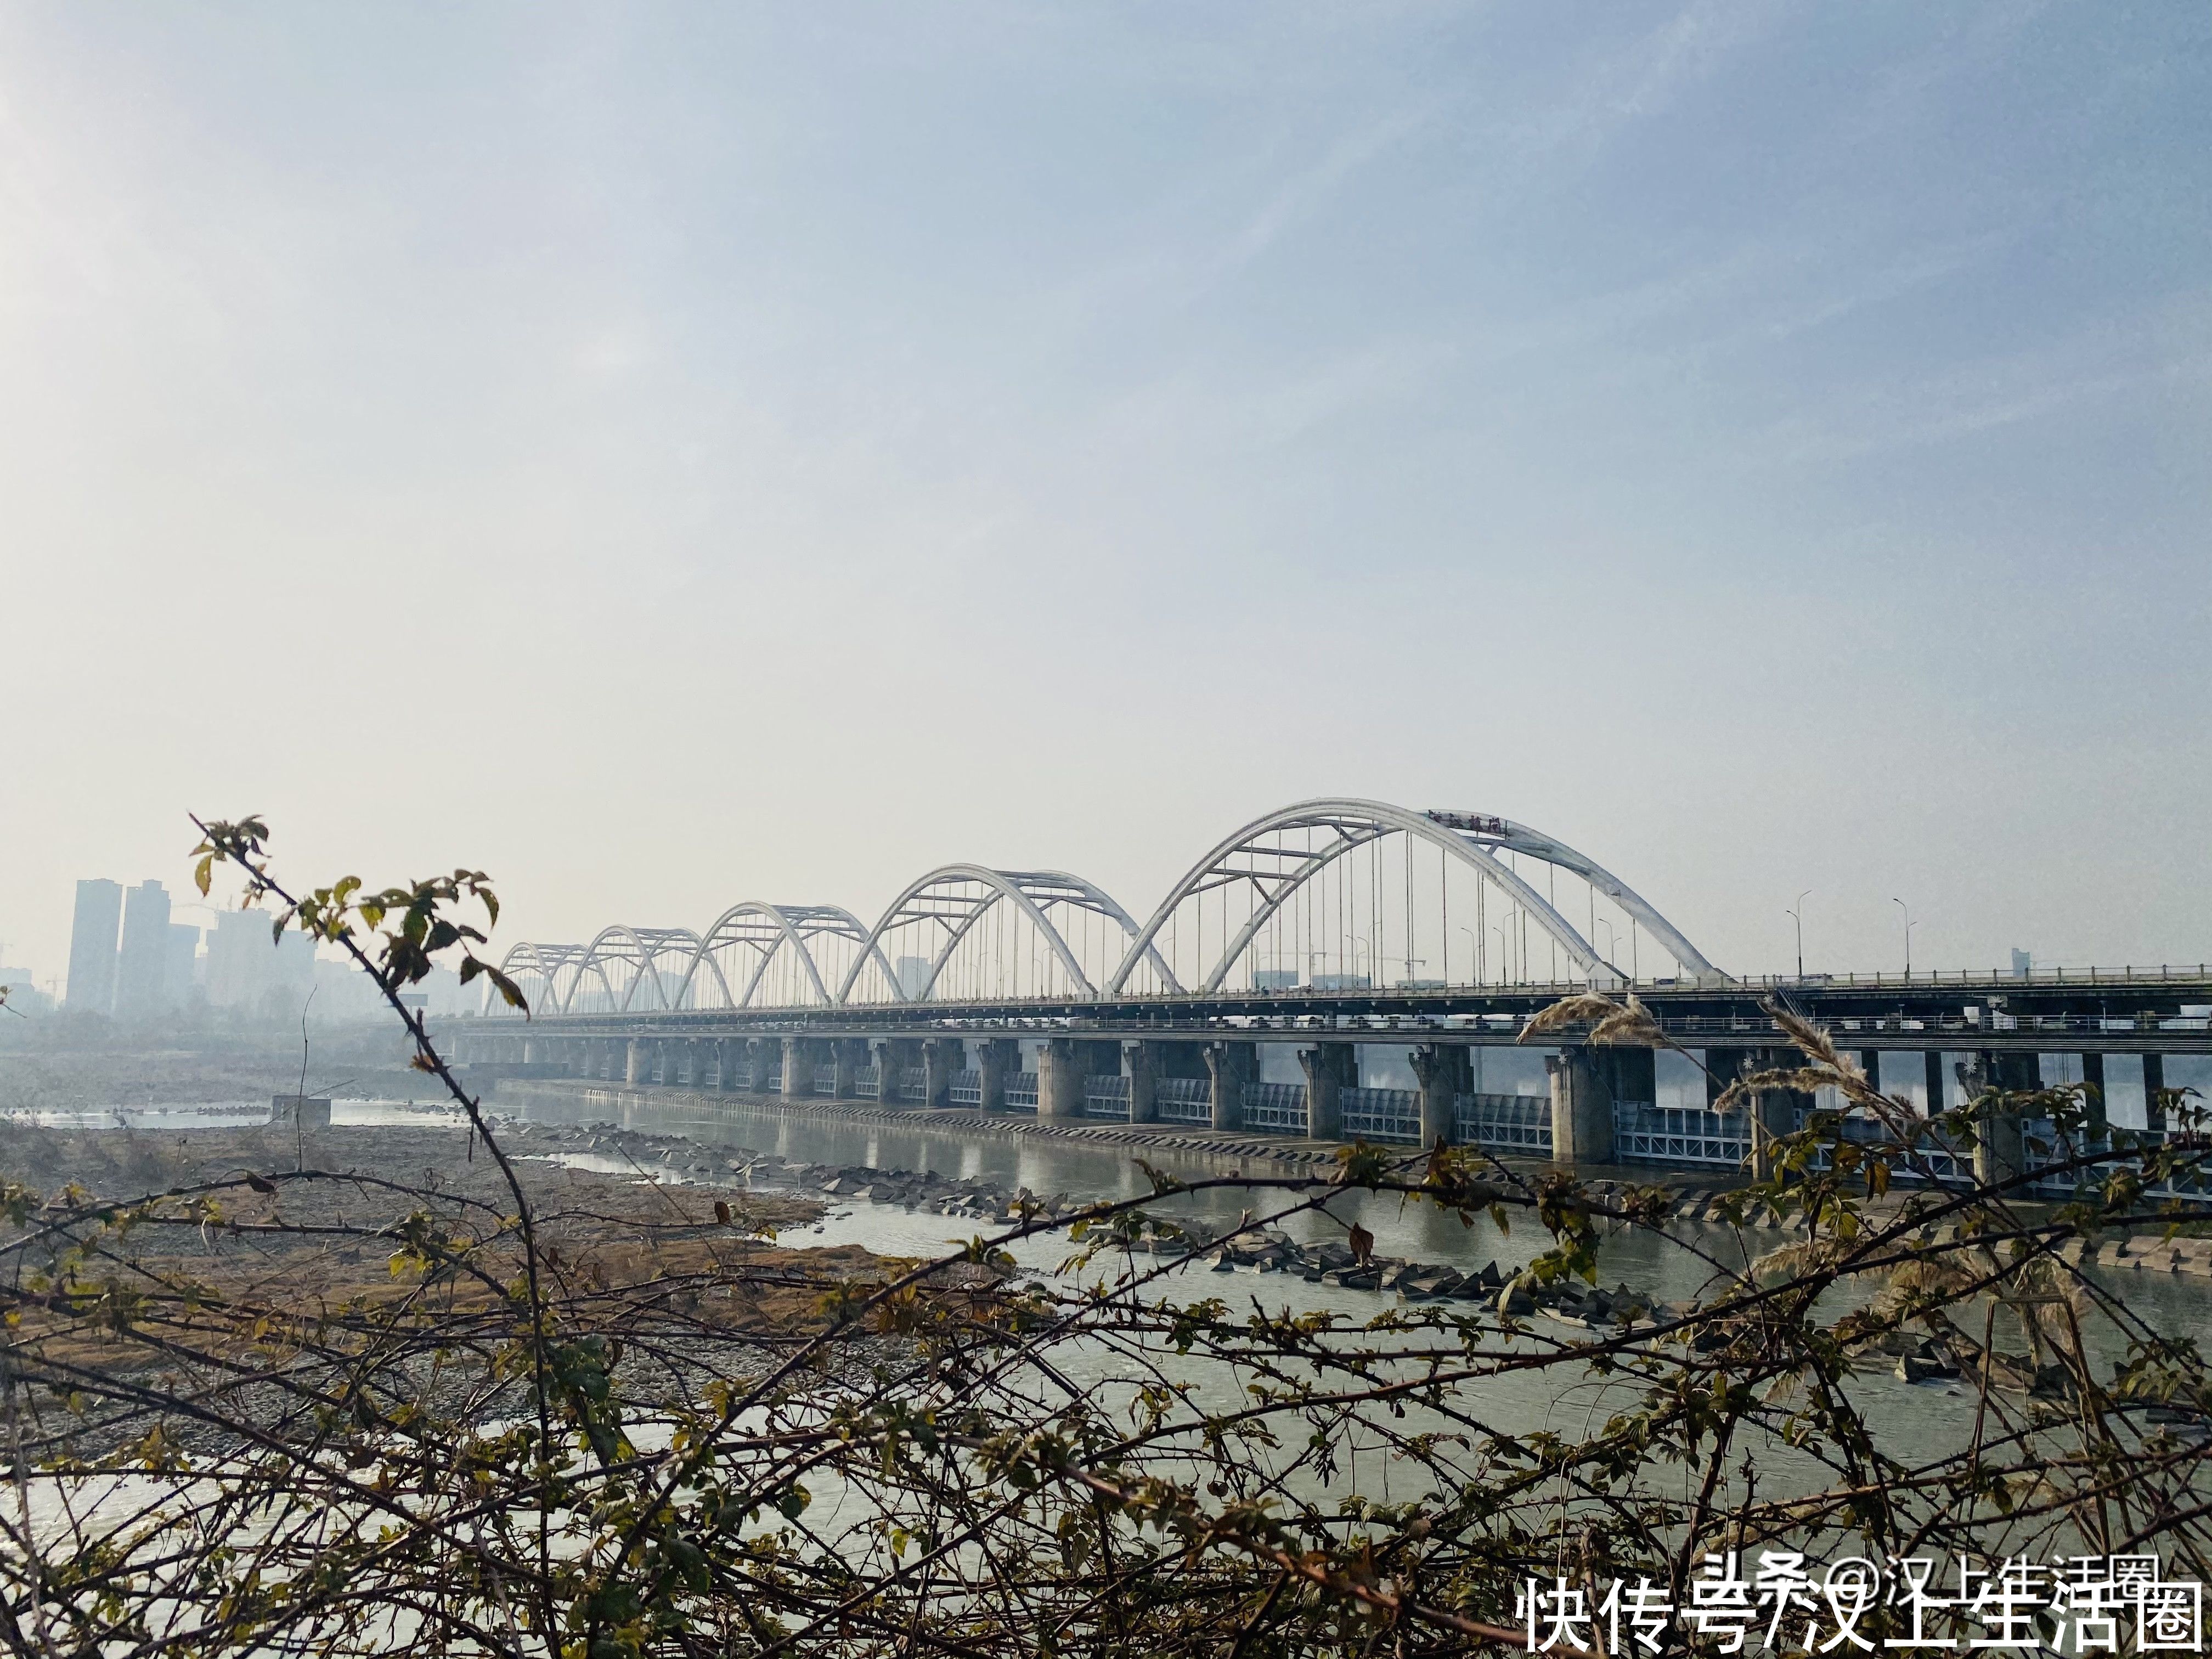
1324, 895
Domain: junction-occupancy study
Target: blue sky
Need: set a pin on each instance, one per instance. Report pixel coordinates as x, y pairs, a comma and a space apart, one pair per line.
671, 454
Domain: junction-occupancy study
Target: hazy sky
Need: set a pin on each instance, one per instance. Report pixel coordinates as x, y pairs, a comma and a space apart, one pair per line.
669, 454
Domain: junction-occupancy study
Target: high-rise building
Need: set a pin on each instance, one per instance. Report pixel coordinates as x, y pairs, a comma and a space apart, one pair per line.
142, 965
246, 969
238, 953
91, 986
183, 972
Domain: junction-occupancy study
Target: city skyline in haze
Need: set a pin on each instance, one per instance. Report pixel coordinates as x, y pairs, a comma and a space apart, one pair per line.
669, 457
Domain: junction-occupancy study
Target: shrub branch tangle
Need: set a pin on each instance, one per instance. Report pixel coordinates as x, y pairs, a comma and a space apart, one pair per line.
508, 1446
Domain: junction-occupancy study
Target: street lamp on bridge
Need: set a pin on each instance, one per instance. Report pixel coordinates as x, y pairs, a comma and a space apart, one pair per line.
1793, 911
1909, 926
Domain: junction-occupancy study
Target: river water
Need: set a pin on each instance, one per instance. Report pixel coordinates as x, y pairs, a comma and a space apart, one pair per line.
1918, 1420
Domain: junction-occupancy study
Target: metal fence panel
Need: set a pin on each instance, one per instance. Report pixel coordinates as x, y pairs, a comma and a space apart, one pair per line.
1021, 1090
1380, 1114
1183, 1100
1678, 1134
1280, 1107
967, 1088
1106, 1095
1517, 1122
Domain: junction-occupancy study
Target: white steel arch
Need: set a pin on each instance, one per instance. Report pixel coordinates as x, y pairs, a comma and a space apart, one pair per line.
538, 971
639, 949
763, 929
946, 897
1495, 834
1268, 862
1275, 874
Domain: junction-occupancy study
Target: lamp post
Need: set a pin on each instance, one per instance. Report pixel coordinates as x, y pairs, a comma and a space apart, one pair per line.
1793, 911
1500, 932
1909, 926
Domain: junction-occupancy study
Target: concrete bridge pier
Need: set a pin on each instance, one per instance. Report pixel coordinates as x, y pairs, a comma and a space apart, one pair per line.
798, 1067
941, 1057
2001, 1143
1773, 1111
763, 1060
1444, 1073
895, 1058
995, 1058
2092, 1074
1140, 1061
1581, 1108
1330, 1068
1059, 1080
1228, 1067
847, 1056
634, 1062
